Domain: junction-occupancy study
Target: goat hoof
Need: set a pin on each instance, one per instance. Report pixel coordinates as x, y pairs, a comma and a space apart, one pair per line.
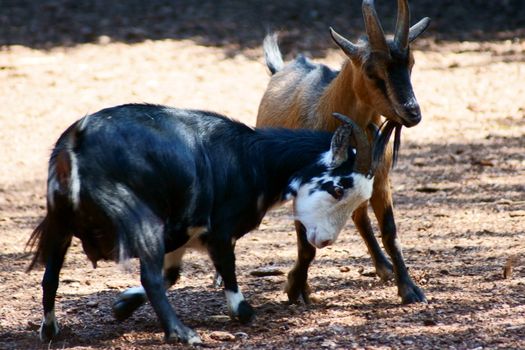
413, 294
126, 304
385, 272
296, 290
245, 312
48, 331
188, 336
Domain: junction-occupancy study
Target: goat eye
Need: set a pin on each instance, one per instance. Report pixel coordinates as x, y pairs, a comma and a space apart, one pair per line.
337, 192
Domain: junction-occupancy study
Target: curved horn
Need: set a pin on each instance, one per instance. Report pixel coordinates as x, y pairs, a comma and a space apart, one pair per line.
349, 48
402, 24
418, 28
376, 35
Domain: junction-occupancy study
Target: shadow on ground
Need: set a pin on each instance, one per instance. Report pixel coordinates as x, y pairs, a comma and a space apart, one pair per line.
240, 25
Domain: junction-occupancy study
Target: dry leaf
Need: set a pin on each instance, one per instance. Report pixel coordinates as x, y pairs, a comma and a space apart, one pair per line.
507, 270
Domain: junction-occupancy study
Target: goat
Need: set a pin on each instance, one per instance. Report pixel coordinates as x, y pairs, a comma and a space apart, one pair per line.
374, 80
151, 181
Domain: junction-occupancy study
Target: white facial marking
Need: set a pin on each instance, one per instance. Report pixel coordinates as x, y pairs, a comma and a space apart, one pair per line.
234, 299
322, 215
292, 187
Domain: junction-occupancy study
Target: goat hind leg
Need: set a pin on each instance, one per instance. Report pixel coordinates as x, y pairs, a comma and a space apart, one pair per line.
133, 298
297, 283
153, 283
49, 327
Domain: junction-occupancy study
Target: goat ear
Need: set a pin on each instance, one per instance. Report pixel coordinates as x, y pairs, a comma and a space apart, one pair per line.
339, 145
351, 50
418, 28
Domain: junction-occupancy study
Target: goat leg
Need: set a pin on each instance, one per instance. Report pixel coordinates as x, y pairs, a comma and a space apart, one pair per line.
361, 220
153, 283
133, 298
223, 257
49, 327
381, 202
407, 289
297, 284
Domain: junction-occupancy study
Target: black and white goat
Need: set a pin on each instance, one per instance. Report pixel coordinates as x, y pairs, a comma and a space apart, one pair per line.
150, 181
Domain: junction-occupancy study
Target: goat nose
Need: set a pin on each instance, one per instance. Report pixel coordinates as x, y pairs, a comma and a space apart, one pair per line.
413, 112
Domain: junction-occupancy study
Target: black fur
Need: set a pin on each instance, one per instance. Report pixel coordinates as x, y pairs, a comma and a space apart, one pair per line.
148, 174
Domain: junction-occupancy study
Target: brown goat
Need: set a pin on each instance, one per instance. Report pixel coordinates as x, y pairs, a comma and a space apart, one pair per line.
374, 81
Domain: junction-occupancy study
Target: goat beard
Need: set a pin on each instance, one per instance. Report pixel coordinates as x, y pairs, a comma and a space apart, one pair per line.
397, 144
397, 138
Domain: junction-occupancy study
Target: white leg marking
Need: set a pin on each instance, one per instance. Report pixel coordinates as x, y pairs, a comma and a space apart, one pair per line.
133, 291
234, 299
195, 340
49, 319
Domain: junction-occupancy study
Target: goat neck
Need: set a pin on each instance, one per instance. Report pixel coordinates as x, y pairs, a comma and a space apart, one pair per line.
347, 95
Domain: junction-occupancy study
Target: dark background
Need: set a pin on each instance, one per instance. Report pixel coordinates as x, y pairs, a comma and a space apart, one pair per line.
239, 25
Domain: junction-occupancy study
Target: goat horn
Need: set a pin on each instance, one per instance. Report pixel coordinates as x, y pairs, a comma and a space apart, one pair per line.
346, 45
376, 35
418, 28
402, 24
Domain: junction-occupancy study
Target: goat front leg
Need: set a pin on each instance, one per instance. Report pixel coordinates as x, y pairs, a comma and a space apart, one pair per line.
381, 202
153, 283
133, 298
297, 283
361, 220
217, 279
223, 257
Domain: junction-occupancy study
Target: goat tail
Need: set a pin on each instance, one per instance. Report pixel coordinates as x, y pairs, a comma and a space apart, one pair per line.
48, 237
272, 54
54, 233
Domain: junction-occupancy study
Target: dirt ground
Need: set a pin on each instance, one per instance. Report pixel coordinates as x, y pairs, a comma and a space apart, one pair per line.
459, 185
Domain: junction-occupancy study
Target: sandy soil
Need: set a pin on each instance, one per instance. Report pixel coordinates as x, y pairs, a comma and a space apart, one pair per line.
459, 191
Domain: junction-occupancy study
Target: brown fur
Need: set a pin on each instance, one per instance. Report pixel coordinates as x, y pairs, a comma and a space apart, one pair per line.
350, 93
300, 97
